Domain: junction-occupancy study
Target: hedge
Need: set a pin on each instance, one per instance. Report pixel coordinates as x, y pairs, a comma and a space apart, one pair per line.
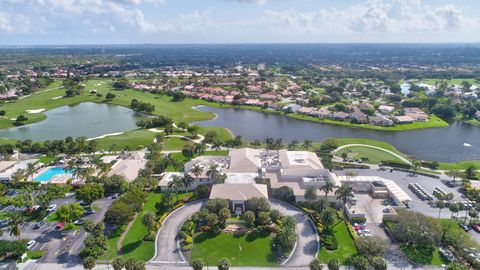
397, 164
359, 220
351, 230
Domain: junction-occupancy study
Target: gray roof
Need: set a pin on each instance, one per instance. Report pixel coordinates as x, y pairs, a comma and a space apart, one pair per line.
238, 192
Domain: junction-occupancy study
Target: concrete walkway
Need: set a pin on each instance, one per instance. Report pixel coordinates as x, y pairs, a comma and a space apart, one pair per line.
377, 148
307, 245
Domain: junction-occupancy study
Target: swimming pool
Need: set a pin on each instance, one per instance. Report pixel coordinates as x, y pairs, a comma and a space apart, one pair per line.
50, 173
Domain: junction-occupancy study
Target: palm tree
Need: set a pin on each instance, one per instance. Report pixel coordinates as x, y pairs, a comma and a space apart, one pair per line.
213, 172
327, 188
328, 218
17, 176
293, 145
200, 148
307, 144
416, 166
310, 194
344, 192
167, 198
176, 184
86, 172
196, 170
14, 226
29, 171
217, 145
187, 181
256, 143
322, 205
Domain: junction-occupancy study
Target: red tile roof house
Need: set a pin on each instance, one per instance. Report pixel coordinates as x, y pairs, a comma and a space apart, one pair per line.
380, 120
339, 116
359, 117
252, 102
321, 113
220, 99
403, 119
305, 110
269, 96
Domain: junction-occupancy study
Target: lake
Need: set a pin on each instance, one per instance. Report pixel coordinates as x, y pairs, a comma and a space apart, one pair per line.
440, 144
85, 119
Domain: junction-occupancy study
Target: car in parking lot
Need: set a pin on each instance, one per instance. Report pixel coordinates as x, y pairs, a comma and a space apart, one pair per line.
89, 211
476, 228
3, 223
465, 227
31, 243
79, 221
60, 225
52, 208
39, 224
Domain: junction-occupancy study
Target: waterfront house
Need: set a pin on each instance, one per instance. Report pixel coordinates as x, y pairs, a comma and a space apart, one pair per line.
380, 120
386, 109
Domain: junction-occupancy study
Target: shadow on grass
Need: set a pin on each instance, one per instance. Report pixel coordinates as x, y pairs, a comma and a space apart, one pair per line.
255, 235
420, 254
205, 236
131, 247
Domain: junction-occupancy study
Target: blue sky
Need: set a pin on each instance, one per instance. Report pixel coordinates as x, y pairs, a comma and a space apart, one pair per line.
37, 22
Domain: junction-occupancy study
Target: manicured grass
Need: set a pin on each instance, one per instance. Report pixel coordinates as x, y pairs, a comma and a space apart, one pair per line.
136, 139
346, 245
344, 141
249, 250
112, 243
473, 122
371, 155
432, 81
424, 255
179, 157
433, 122
175, 143
35, 254
47, 160
133, 245
462, 165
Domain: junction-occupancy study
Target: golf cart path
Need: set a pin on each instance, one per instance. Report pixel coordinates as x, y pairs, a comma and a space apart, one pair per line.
377, 148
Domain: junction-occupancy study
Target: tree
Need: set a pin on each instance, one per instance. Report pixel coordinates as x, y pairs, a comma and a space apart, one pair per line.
264, 218
188, 151
70, 212
440, 205
211, 219
307, 144
119, 213
89, 192
149, 220
224, 264
344, 192
134, 264
88, 225
293, 145
89, 262
415, 229
333, 264
470, 172
371, 246
378, 263
118, 263
316, 264
310, 194
14, 224
110, 96
322, 205
328, 218
359, 262
285, 239
274, 215
202, 191
454, 208
456, 266
187, 181
258, 205
249, 217
327, 188
196, 170
197, 264
176, 184
223, 215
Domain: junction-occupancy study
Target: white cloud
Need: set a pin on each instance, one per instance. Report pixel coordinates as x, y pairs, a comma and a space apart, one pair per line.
5, 23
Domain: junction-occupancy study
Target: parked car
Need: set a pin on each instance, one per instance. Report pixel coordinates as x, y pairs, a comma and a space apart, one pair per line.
79, 221
31, 243
3, 223
465, 227
52, 208
89, 211
39, 224
60, 225
114, 196
476, 228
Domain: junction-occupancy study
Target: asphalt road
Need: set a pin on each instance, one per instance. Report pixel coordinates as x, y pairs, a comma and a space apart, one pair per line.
167, 249
307, 243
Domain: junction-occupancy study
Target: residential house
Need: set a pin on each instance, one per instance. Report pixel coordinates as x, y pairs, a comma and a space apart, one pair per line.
380, 120
386, 109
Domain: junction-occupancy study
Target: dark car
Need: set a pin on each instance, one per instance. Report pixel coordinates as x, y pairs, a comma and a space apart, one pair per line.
465, 227
39, 224
89, 211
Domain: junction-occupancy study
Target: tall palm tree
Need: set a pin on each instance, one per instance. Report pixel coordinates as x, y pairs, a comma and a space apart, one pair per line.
328, 218
256, 142
310, 194
176, 184
293, 145
196, 170
307, 144
327, 188
167, 198
454, 209
322, 205
187, 181
217, 145
213, 172
17, 176
344, 192
85, 172
29, 171
200, 148
14, 226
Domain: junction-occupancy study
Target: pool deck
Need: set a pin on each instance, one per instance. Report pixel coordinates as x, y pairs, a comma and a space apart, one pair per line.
57, 178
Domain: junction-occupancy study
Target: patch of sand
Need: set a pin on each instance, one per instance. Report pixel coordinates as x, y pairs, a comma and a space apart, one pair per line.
106, 135
155, 130
59, 97
35, 111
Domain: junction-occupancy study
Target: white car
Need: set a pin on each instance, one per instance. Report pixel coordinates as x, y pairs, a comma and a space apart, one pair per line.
31, 243
52, 208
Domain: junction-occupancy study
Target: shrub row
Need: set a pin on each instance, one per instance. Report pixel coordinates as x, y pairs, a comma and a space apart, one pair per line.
396, 164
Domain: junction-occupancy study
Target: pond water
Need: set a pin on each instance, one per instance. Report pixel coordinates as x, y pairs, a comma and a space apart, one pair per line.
85, 119
440, 144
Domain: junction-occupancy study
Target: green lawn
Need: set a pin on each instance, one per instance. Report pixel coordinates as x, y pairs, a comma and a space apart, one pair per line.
346, 245
249, 250
136, 139
462, 165
47, 160
175, 143
112, 243
433, 122
133, 245
424, 256
371, 155
344, 141
179, 157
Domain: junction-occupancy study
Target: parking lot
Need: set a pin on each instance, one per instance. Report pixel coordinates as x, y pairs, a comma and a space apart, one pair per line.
372, 208
403, 179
